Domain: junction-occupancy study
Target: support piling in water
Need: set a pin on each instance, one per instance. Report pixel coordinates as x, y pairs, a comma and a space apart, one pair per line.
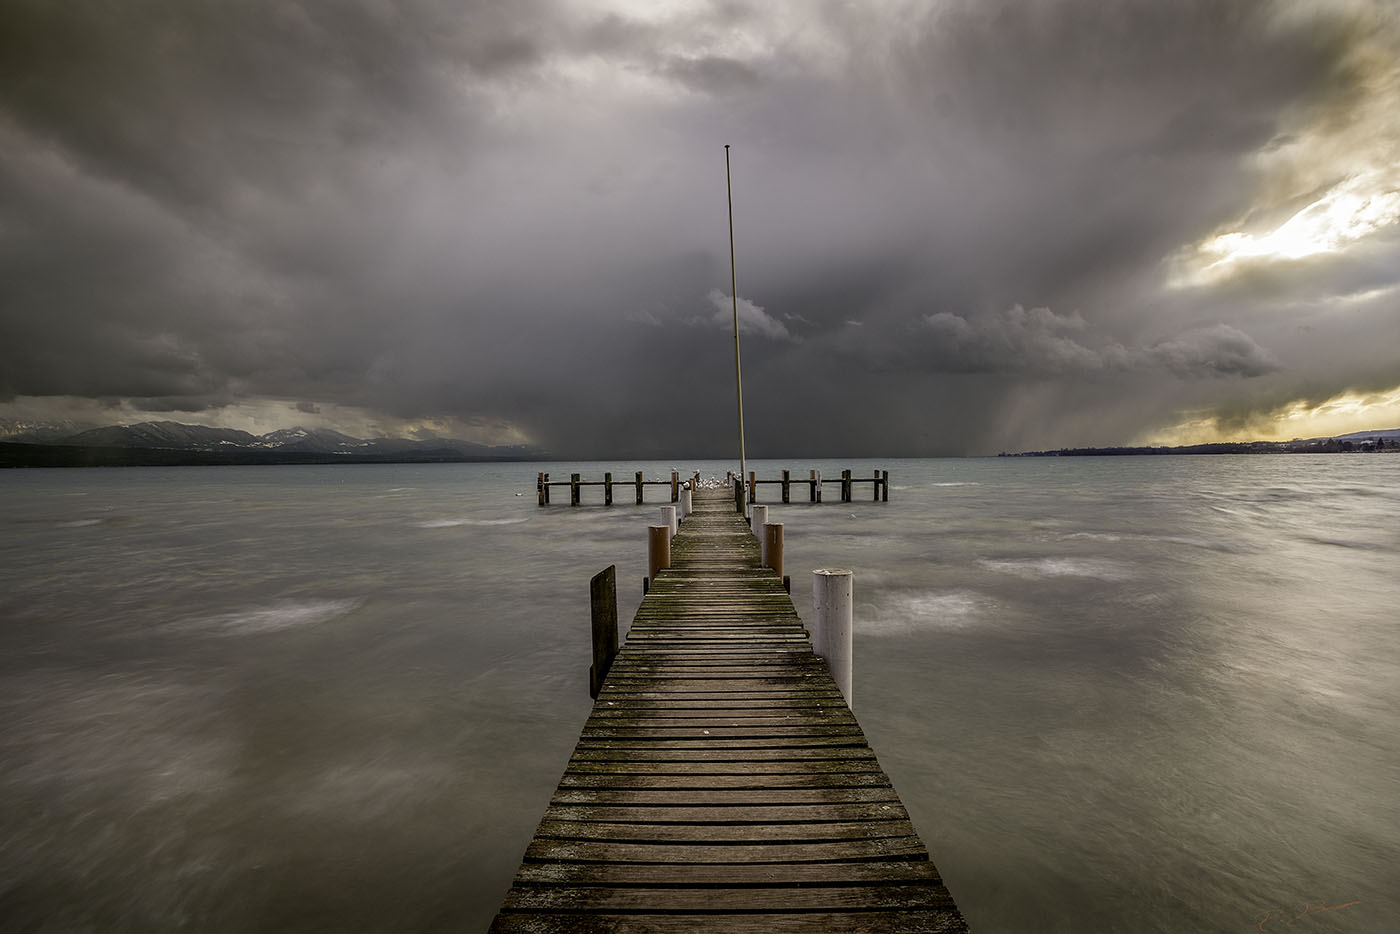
832, 625
773, 547
668, 518
602, 594
658, 549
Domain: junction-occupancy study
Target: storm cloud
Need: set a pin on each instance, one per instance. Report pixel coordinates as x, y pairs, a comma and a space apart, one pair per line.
1016, 224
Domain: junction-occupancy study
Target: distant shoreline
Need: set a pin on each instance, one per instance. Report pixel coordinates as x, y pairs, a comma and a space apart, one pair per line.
1317, 446
19, 454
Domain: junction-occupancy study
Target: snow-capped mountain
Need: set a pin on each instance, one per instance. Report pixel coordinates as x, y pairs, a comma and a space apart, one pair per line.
300, 442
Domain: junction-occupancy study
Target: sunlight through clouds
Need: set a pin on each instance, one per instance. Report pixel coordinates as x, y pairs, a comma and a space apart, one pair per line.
1341, 414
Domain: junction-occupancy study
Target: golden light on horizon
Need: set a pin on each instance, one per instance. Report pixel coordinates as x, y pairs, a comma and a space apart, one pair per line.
1341, 414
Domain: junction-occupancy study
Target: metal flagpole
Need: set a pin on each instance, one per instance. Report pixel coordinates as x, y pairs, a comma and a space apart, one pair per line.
734, 296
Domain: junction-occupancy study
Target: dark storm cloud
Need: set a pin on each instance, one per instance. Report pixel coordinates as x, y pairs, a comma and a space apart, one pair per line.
514, 215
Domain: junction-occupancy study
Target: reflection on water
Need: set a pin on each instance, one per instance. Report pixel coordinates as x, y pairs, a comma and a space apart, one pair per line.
1146, 694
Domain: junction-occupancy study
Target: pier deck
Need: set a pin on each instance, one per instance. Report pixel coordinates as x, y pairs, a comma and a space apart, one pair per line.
721, 783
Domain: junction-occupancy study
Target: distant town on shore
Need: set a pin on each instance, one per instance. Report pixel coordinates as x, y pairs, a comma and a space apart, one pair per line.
1359, 442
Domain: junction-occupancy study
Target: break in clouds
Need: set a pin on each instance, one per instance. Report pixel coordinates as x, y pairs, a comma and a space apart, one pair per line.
960, 227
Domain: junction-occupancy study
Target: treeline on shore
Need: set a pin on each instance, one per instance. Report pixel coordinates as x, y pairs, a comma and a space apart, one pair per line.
1314, 446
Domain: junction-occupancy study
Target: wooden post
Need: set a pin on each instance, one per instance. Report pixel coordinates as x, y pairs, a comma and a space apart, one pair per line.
875, 488
603, 599
739, 498
846, 485
546, 489
658, 549
819, 485
786, 481
757, 520
813, 482
687, 500
539, 486
573, 489
675, 486
607, 488
753, 488
832, 602
884, 486
639, 488
773, 547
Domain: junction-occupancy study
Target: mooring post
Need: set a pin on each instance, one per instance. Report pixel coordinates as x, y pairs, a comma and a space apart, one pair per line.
607, 488
819, 485
832, 603
668, 518
773, 546
675, 486
875, 487
813, 483
546, 489
539, 486
573, 489
639, 488
738, 497
884, 486
658, 552
846, 485
602, 592
687, 500
753, 487
758, 517
786, 482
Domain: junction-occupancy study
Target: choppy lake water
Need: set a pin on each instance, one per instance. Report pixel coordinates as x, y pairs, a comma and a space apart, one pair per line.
1116, 694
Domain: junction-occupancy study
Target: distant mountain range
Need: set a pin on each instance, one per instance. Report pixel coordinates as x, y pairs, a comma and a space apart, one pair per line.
1386, 440
169, 443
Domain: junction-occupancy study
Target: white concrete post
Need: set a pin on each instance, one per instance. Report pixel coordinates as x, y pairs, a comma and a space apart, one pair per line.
758, 518
832, 606
687, 501
668, 517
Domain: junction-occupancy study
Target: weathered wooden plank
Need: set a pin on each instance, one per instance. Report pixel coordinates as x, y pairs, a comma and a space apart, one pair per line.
686, 797
719, 834
701, 783
871, 897
773, 874
868, 922
782, 851
693, 813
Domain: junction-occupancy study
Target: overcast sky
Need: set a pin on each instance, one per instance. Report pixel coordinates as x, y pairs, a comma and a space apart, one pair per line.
962, 226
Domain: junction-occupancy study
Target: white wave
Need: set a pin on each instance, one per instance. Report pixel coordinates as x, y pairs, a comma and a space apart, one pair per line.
286, 614
952, 483
1039, 568
906, 613
450, 523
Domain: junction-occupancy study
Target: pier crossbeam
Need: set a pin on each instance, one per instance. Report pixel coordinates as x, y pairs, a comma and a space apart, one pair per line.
721, 783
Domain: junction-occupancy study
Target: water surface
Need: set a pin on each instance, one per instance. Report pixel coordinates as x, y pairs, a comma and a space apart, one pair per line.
1117, 694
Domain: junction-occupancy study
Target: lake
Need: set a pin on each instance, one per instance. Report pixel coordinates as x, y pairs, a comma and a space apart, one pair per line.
1116, 694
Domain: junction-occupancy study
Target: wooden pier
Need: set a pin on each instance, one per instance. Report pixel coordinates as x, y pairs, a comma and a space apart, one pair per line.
879, 486
721, 782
